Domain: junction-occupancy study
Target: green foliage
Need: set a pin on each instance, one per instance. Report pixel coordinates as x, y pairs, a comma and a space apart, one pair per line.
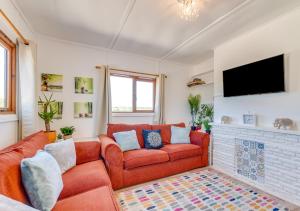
194, 102
48, 112
206, 113
67, 130
59, 136
206, 124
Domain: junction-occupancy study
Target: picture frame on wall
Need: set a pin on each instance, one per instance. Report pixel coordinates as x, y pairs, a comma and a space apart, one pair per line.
51, 82
83, 110
250, 120
84, 85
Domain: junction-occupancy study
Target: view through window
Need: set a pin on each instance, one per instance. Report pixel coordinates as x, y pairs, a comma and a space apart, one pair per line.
3, 78
132, 94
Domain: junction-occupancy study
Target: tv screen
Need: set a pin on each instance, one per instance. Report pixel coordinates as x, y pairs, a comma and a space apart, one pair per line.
265, 76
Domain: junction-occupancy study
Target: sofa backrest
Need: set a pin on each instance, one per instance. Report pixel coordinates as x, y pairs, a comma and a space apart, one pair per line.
165, 130
10, 159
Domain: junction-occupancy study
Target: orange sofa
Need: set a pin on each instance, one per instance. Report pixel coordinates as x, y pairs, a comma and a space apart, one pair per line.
86, 186
138, 166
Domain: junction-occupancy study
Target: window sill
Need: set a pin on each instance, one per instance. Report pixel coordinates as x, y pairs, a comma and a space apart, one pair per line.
132, 114
8, 118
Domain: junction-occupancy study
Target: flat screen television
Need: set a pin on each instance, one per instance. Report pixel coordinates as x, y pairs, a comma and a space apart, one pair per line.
265, 76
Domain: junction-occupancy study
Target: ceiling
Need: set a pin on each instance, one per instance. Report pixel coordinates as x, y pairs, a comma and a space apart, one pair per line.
151, 28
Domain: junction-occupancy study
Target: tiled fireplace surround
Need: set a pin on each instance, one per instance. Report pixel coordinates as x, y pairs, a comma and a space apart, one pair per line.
282, 157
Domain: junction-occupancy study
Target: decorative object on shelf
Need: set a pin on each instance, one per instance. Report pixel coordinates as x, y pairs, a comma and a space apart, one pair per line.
250, 119
189, 9
47, 114
56, 106
51, 82
207, 126
196, 82
225, 120
284, 123
83, 110
194, 102
67, 132
84, 85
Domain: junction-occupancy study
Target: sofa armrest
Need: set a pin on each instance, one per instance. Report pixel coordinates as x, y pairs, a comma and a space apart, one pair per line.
87, 151
202, 140
113, 156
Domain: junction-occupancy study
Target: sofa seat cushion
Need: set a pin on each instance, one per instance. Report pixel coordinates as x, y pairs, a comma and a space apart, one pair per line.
144, 157
100, 198
84, 177
181, 151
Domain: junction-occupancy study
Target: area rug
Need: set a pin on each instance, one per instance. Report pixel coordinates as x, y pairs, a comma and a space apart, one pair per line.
205, 189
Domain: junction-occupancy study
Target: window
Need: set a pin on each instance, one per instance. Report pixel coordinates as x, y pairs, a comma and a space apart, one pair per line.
132, 93
7, 75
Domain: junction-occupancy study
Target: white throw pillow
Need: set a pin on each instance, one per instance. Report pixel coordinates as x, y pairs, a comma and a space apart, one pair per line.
180, 135
9, 204
41, 177
64, 153
127, 140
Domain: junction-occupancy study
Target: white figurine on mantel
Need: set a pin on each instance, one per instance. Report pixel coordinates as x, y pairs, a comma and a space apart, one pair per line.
225, 120
284, 123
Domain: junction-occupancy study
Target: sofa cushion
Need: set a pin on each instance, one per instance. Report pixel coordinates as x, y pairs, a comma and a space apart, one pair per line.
64, 153
114, 128
181, 151
10, 175
41, 177
144, 157
84, 177
180, 135
97, 199
87, 151
165, 131
152, 139
8, 204
127, 140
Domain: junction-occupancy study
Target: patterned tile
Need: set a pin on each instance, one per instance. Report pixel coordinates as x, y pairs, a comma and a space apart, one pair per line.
204, 189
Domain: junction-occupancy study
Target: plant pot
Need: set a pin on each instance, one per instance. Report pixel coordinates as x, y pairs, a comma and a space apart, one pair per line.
193, 128
208, 131
67, 137
51, 135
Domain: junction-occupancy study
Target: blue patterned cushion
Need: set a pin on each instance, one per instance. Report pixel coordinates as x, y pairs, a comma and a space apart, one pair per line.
152, 139
127, 140
180, 135
41, 177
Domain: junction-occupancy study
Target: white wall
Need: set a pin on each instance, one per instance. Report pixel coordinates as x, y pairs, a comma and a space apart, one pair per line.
206, 91
277, 37
9, 123
74, 59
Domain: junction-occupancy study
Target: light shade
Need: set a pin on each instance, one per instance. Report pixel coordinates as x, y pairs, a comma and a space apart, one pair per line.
189, 9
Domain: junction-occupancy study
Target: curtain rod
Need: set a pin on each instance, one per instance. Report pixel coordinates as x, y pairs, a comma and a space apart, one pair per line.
13, 27
128, 71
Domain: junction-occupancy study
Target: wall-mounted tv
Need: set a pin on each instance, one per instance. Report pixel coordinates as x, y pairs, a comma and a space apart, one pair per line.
265, 76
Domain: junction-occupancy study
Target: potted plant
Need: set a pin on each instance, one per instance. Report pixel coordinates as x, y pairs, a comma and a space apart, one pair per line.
194, 102
67, 132
47, 114
207, 113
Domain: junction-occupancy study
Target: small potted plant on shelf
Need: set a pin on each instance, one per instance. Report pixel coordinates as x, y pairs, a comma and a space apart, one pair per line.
47, 114
194, 102
67, 132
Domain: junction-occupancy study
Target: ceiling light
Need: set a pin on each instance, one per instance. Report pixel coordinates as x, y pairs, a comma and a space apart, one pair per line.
189, 9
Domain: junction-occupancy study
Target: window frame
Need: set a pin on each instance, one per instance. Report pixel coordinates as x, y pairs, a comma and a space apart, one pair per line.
136, 78
10, 74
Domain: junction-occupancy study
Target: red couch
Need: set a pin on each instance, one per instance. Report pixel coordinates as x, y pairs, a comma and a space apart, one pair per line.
138, 166
86, 186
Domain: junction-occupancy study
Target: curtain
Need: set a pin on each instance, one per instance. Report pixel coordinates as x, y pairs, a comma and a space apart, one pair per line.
104, 101
159, 114
27, 104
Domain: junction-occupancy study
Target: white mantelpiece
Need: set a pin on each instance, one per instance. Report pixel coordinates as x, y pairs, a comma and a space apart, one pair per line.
282, 157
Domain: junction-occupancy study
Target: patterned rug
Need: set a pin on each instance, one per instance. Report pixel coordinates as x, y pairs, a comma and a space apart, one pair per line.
205, 189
